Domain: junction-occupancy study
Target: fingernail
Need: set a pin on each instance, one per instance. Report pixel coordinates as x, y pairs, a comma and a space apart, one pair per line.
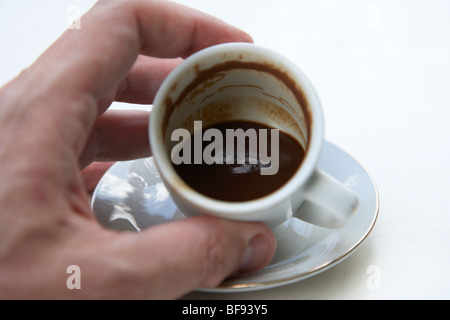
256, 255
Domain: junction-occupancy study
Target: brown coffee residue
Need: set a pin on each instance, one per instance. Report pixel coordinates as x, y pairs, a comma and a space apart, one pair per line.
208, 77
205, 85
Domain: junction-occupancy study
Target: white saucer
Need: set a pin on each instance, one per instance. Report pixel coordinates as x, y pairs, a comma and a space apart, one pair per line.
131, 196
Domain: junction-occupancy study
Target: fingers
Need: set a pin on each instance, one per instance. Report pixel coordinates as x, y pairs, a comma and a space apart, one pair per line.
92, 174
182, 31
143, 80
118, 135
108, 43
87, 64
198, 252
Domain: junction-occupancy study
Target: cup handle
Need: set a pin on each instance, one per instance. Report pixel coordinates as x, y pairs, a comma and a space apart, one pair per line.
327, 202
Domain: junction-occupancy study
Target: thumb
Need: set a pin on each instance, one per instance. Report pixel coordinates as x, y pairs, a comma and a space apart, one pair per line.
178, 257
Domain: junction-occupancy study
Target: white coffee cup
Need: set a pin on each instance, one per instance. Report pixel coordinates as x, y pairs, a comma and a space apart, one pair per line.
263, 87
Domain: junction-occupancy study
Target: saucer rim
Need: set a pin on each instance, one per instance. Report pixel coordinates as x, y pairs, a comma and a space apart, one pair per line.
263, 285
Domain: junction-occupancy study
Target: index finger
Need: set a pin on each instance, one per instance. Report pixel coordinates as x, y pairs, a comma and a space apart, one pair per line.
114, 32
87, 63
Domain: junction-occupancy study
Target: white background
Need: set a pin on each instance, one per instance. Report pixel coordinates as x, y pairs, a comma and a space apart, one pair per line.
382, 71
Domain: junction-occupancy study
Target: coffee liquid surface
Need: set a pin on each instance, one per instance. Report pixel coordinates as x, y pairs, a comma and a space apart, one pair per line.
242, 182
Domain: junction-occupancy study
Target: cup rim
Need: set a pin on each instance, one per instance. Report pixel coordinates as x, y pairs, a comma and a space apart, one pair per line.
224, 208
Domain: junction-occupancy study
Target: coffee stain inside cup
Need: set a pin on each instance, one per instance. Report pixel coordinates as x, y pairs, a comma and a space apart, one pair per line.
207, 78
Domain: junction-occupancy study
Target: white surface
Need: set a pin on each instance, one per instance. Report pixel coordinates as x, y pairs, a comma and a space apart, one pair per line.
382, 71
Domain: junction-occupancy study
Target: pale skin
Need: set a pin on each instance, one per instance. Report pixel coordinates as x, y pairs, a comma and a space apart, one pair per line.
56, 140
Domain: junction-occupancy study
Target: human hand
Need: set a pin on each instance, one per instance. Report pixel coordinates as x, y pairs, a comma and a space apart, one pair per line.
53, 124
